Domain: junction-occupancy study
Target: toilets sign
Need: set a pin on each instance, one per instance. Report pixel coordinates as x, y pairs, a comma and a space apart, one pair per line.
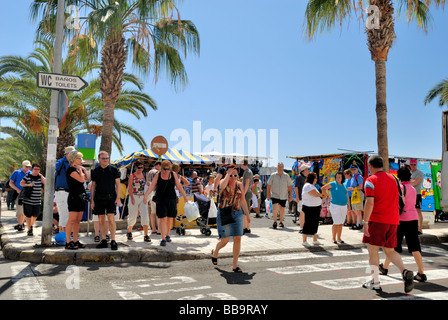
60, 81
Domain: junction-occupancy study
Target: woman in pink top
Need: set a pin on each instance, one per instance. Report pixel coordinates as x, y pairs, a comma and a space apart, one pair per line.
408, 227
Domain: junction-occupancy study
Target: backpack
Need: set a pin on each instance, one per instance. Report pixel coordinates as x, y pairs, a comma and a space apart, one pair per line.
401, 196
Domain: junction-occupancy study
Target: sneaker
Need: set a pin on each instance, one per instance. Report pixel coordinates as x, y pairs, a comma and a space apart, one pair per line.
163, 243
30, 232
408, 277
306, 244
168, 239
147, 239
420, 277
274, 225
383, 270
102, 244
317, 243
372, 286
129, 235
113, 245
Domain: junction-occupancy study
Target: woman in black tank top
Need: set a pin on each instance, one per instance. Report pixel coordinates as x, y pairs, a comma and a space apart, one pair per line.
165, 198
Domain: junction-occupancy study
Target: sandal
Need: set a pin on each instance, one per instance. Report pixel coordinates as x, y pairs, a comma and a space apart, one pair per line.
80, 245
97, 239
237, 270
71, 246
214, 260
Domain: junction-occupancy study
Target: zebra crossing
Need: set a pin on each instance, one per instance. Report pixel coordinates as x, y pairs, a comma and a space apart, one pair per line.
348, 283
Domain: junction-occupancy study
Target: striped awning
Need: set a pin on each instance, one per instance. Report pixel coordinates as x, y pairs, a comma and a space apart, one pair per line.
179, 156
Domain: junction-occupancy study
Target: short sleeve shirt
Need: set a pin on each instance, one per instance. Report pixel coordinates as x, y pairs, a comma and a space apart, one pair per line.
338, 194
416, 175
279, 185
383, 188
36, 191
248, 175
104, 179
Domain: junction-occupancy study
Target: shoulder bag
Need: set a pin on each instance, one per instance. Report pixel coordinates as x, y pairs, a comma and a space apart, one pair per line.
226, 213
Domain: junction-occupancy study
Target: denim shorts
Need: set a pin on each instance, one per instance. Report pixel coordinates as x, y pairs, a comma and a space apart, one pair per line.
231, 229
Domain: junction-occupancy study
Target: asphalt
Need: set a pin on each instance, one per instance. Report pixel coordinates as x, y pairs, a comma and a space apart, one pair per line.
262, 240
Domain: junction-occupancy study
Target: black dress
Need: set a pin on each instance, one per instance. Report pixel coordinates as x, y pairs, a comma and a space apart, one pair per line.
76, 189
166, 198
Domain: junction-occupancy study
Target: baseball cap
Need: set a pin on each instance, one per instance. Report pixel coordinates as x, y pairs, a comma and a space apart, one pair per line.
69, 149
303, 167
26, 163
413, 161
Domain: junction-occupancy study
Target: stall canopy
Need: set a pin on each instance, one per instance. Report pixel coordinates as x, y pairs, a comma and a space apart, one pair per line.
173, 155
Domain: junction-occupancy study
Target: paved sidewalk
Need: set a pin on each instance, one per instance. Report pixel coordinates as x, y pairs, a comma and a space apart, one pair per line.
193, 245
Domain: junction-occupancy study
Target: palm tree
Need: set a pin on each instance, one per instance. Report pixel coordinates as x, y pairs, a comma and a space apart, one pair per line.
324, 14
440, 90
142, 30
22, 101
22, 144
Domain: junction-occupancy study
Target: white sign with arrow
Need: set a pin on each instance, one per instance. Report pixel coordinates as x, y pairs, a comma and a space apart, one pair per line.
57, 81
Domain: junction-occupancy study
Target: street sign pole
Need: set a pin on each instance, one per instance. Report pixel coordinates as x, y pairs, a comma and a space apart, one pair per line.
52, 140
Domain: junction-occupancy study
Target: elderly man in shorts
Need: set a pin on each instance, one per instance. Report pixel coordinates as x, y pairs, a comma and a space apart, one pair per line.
279, 191
382, 216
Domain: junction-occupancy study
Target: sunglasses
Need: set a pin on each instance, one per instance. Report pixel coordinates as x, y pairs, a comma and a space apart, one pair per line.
166, 168
233, 175
104, 158
139, 167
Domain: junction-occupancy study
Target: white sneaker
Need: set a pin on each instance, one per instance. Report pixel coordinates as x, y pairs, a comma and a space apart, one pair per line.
317, 243
372, 286
306, 244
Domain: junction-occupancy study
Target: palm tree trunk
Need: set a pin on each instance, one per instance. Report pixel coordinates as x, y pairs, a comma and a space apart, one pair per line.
381, 112
112, 68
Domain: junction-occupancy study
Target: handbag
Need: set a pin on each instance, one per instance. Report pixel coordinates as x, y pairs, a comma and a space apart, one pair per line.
226, 213
356, 197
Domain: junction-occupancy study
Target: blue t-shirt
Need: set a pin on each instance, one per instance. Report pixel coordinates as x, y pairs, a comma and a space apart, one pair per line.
17, 176
338, 194
353, 183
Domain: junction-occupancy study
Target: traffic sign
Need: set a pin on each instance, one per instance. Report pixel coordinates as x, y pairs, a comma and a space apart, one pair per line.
57, 81
159, 145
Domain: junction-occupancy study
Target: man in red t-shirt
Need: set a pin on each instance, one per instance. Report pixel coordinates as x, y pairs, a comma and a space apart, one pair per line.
381, 219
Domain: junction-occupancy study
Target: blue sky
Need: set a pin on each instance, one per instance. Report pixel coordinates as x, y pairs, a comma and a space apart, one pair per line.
257, 71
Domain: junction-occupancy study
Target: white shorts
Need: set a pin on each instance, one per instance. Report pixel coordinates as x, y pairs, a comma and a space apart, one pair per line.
299, 206
338, 213
254, 201
60, 197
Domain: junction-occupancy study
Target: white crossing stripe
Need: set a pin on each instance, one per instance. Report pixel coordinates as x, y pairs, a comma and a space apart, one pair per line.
356, 282
26, 285
442, 295
126, 288
304, 255
307, 268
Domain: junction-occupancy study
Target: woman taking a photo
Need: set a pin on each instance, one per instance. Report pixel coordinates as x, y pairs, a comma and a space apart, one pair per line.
76, 176
338, 204
165, 198
230, 194
311, 205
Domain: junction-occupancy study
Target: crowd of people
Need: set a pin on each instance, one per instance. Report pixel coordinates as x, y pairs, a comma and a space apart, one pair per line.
371, 205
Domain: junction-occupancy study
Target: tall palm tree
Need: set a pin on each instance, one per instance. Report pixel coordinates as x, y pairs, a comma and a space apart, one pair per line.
142, 30
22, 101
324, 14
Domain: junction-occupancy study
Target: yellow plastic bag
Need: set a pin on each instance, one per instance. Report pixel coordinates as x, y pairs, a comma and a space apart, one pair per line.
356, 197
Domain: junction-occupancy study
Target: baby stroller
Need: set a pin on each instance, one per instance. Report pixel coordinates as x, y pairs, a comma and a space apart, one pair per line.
203, 203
